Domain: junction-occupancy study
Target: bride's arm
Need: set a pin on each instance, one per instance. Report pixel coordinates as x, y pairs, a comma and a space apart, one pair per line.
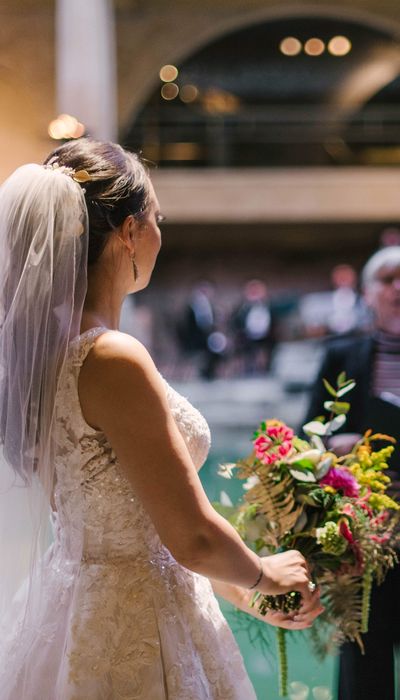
123, 395
241, 598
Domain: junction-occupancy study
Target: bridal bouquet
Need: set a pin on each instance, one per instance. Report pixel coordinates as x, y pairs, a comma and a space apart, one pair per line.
300, 495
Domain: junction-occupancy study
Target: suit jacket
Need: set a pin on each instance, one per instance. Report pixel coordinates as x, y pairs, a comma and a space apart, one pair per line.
355, 356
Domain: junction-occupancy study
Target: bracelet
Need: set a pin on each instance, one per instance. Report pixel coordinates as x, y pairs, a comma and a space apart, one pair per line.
260, 575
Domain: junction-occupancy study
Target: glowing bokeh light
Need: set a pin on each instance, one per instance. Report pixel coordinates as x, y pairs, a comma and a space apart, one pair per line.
168, 73
79, 131
189, 93
65, 127
339, 46
56, 129
290, 46
314, 47
169, 91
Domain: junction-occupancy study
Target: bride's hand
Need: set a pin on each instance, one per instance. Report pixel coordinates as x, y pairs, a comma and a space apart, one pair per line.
285, 572
297, 620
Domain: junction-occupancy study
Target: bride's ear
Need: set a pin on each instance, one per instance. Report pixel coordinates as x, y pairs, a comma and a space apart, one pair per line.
128, 230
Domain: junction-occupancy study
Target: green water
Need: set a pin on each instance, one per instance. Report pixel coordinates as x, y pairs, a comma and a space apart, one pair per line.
261, 663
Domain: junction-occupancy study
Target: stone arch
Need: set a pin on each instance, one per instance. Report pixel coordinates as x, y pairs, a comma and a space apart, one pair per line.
164, 41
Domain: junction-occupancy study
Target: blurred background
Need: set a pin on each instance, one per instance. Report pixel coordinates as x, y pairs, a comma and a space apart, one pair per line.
273, 134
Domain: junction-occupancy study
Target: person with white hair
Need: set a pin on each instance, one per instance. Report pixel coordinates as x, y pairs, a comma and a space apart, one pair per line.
373, 361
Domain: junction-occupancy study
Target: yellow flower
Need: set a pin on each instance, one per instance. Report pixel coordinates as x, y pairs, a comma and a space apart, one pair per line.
380, 501
329, 489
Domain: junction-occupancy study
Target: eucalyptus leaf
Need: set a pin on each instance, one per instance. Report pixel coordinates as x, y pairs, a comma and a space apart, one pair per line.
315, 427
323, 467
344, 390
307, 476
337, 422
317, 443
312, 456
341, 379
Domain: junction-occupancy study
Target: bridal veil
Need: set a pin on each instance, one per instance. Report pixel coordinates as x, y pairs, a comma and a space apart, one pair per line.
43, 281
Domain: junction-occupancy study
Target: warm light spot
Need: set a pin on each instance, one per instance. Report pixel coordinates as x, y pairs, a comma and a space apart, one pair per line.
189, 93
169, 91
314, 47
290, 46
56, 129
181, 151
168, 73
339, 46
70, 123
79, 131
217, 101
65, 127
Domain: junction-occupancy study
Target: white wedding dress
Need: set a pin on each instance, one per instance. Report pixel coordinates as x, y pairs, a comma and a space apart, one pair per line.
125, 621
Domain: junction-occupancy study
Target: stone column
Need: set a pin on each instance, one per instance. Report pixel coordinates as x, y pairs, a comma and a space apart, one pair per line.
86, 65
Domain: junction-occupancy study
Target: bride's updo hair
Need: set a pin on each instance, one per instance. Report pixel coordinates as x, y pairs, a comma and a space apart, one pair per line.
118, 186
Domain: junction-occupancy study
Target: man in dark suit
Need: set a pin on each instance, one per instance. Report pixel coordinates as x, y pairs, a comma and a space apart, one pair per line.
373, 361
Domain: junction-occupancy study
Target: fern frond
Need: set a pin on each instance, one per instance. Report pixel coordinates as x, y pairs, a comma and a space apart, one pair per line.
275, 499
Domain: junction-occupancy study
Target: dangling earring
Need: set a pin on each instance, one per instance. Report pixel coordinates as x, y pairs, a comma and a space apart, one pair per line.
134, 267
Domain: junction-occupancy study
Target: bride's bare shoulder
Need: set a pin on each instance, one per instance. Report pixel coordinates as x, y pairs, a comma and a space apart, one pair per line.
114, 346
117, 370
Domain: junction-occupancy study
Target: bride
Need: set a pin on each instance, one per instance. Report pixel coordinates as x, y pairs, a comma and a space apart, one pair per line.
121, 605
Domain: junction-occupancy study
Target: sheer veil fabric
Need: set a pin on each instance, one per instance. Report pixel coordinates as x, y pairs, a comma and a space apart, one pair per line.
43, 282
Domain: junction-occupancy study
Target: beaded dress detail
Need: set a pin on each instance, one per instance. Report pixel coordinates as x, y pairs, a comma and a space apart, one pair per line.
124, 621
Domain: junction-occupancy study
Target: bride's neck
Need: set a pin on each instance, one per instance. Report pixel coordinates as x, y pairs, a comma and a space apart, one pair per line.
103, 301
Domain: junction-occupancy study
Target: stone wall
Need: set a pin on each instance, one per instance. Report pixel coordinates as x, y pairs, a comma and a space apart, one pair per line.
149, 34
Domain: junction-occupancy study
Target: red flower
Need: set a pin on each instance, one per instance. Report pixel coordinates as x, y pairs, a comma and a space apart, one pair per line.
345, 530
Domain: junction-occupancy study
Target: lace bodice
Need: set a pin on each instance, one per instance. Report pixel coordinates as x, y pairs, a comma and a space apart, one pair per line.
90, 484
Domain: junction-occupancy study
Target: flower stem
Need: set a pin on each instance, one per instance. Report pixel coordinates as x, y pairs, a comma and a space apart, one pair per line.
366, 599
282, 656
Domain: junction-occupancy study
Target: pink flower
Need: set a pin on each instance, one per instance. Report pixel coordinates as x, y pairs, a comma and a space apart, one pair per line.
274, 443
341, 480
380, 539
348, 509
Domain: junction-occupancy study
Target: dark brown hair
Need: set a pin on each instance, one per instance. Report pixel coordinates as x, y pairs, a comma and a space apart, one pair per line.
118, 186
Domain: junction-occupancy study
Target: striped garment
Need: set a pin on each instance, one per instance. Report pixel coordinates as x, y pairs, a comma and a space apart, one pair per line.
386, 367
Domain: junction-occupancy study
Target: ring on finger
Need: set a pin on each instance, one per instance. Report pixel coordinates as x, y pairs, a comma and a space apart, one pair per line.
311, 586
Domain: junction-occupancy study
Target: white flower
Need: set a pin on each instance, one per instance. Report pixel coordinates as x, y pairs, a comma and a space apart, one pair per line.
224, 499
250, 482
226, 470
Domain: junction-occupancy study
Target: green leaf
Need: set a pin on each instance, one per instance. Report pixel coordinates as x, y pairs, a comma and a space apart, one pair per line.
337, 407
225, 511
303, 463
341, 379
329, 388
344, 390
